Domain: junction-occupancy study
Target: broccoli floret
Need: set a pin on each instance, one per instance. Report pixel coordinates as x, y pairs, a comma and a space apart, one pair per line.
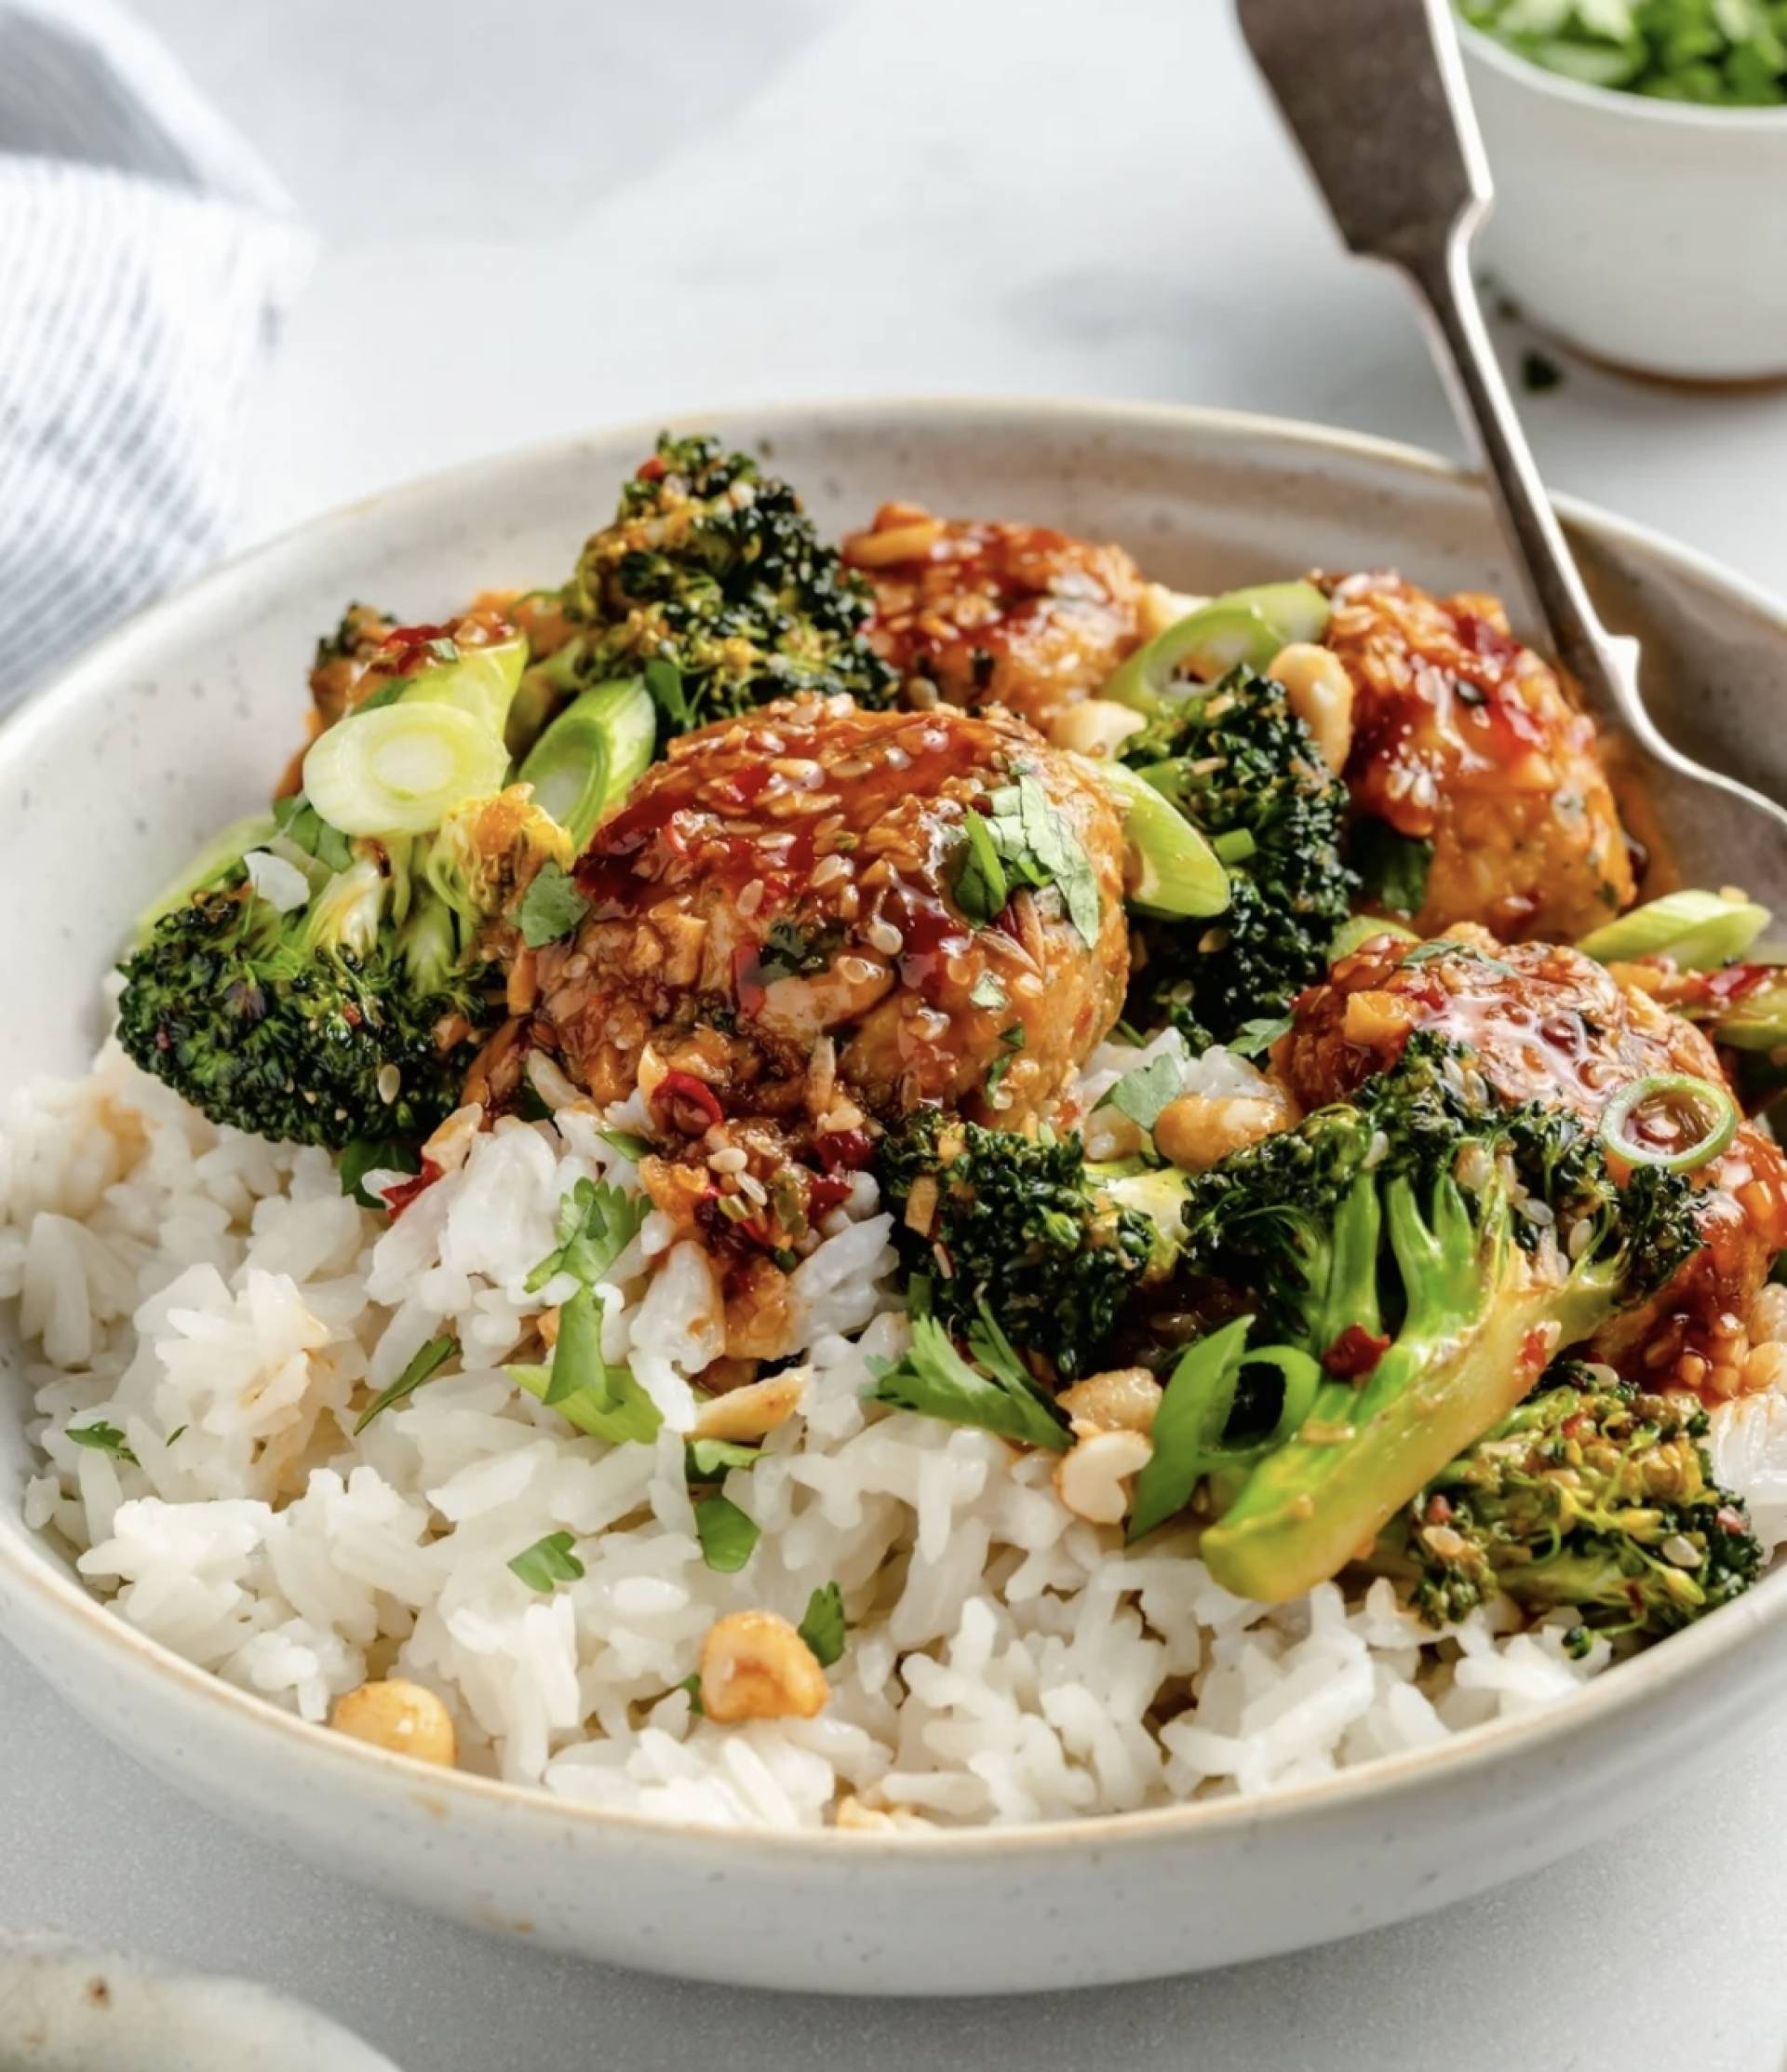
1589, 1495
1431, 1247
1246, 772
1020, 1223
712, 582
355, 1014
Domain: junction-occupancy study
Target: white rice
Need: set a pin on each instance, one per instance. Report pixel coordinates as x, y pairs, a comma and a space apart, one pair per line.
218, 1300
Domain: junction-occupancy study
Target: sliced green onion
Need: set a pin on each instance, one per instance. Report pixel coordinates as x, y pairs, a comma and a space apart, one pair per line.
482, 682
1361, 929
1698, 931
1236, 846
1175, 870
1712, 1108
402, 769
1242, 626
593, 754
1758, 1021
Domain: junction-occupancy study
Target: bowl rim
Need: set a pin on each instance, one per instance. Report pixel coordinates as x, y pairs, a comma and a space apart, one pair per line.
1680, 115
95, 1627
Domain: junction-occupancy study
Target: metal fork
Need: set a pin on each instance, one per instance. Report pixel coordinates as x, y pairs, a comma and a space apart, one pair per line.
1374, 93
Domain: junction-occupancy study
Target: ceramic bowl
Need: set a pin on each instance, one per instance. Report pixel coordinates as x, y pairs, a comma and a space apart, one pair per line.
171, 727
1646, 233
63, 2009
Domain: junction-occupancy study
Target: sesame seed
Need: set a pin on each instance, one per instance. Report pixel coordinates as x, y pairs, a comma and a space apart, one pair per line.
829, 870
1680, 1551
730, 1160
884, 937
751, 898
390, 1080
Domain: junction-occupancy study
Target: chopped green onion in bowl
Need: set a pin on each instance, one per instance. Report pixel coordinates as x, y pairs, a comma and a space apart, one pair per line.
1715, 53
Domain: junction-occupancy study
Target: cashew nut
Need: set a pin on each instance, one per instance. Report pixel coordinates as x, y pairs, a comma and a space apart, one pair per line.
754, 1665
1319, 691
1090, 1478
1196, 1130
404, 1717
1122, 1400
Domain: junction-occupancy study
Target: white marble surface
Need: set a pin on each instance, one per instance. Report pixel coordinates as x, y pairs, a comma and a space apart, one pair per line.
544, 213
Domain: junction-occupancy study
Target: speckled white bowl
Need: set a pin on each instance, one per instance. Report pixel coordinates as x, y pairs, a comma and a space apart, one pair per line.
63, 2009
173, 725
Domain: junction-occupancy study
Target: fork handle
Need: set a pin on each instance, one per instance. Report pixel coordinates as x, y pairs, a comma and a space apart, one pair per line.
1603, 664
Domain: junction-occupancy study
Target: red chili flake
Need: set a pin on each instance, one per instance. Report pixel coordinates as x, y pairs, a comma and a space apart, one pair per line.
1354, 1354
825, 1190
399, 1198
405, 645
652, 470
844, 1150
1485, 638
1730, 1519
685, 1087
1439, 1511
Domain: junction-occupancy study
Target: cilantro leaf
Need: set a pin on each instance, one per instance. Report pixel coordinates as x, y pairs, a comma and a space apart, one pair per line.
1253, 1039
103, 1438
551, 906
628, 1143
606, 1402
708, 1459
596, 1222
728, 1535
374, 1154
547, 1563
1029, 841
423, 1368
933, 1381
1143, 1091
1013, 1039
691, 1684
987, 992
980, 886
824, 1625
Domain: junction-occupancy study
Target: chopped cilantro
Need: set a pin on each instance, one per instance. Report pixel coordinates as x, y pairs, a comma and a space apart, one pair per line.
423, 1368
103, 1438
547, 1563
596, 1222
629, 1143
1252, 1039
980, 887
664, 680
824, 1626
1141, 1093
933, 1381
727, 1534
708, 1459
987, 992
1013, 1039
551, 906
606, 1402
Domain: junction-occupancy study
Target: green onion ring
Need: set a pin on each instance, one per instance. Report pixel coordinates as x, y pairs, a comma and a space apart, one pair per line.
1712, 1101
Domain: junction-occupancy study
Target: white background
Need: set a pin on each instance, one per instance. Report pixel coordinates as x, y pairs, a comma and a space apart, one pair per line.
540, 214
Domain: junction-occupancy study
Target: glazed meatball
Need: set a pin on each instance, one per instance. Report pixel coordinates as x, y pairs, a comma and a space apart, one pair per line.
1549, 1024
1464, 738
774, 917
1016, 615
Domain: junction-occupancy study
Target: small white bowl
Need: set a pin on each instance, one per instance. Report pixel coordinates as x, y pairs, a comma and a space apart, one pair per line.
1649, 233
63, 2009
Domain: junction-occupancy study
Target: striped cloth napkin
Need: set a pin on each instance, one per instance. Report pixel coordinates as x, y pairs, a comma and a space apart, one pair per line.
146, 259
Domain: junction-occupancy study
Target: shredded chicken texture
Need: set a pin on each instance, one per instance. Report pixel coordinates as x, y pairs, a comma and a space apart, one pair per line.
1464, 738
993, 613
790, 879
1547, 1024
